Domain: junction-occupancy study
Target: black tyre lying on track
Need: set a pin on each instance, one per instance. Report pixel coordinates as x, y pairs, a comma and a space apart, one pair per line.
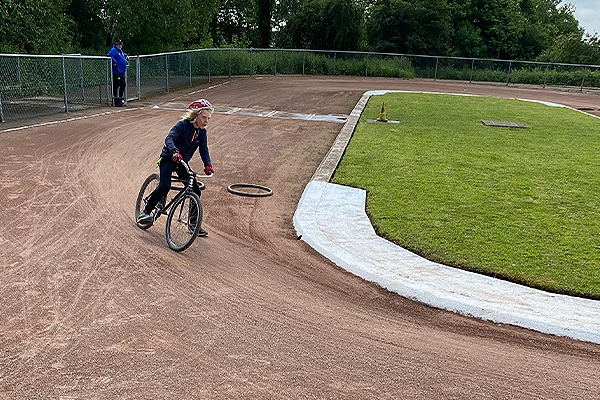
249, 189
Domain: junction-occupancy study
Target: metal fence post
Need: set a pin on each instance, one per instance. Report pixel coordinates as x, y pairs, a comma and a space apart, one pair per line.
583, 79
138, 76
1, 111
108, 81
437, 61
509, 70
229, 62
82, 81
303, 61
208, 63
125, 92
66, 100
19, 73
400, 72
334, 62
472, 70
167, 71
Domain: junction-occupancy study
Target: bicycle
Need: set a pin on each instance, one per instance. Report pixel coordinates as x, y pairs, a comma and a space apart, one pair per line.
184, 210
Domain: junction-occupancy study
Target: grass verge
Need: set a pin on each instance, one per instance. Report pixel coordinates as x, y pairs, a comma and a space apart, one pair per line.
517, 204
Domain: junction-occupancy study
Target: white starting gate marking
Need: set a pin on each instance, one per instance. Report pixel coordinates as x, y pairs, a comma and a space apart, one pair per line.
233, 110
270, 114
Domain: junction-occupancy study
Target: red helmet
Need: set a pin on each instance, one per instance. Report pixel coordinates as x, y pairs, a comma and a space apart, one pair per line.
199, 105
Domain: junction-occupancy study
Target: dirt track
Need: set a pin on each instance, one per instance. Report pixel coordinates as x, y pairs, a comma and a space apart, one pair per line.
94, 308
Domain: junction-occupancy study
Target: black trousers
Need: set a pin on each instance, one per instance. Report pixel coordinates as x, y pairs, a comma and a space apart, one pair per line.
118, 85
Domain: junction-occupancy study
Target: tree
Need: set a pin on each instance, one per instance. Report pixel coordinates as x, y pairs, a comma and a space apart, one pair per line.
35, 27
509, 29
232, 25
243, 23
89, 33
264, 22
495, 27
161, 25
409, 26
573, 50
320, 25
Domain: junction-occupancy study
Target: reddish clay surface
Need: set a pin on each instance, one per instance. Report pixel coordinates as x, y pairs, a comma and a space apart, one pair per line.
94, 308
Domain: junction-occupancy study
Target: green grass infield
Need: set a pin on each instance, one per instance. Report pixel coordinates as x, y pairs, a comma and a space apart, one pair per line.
521, 204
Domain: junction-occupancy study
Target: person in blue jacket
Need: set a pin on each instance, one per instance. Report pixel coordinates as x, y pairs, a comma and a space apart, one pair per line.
184, 138
119, 69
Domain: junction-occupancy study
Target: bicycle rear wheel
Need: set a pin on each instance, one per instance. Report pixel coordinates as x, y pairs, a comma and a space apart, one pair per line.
146, 190
183, 221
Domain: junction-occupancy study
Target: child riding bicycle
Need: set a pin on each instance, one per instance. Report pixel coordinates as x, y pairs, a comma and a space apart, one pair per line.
181, 143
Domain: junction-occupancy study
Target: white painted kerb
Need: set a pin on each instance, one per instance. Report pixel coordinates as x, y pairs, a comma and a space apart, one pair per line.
332, 219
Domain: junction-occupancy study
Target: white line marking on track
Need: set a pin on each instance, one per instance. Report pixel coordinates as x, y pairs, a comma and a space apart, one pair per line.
66, 120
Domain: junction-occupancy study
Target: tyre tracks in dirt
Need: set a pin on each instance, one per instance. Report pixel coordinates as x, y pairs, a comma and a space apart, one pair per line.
93, 307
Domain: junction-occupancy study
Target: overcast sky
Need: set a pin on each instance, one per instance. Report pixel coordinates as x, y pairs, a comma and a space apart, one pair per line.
587, 12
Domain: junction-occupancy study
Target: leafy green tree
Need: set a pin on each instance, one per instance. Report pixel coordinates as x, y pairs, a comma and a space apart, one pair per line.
546, 21
89, 33
468, 42
159, 25
409, 26
566, 41
233, 23
572, 49
320, 25
512, 29
243, 23
509, 29
264, 22
556, 17
495, 27
35, 27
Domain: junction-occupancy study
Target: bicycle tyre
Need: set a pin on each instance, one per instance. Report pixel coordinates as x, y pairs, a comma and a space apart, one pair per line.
147, 188
259, 190
181, 231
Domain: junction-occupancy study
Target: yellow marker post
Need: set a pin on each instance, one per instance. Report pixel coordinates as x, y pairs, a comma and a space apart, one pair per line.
382, 114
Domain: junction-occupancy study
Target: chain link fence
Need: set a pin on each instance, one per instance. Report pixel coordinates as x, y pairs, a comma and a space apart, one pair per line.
33, 85
43, 85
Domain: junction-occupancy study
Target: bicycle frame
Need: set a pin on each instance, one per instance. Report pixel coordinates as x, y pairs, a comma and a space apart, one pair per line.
182, 191
189, 182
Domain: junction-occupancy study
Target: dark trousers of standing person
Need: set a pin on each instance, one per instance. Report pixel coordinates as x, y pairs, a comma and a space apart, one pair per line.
118, 85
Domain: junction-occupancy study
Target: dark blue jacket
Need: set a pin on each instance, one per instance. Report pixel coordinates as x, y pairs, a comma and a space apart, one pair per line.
119, 61
185, 139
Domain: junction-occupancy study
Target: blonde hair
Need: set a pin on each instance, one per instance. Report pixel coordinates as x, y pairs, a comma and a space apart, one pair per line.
191, 115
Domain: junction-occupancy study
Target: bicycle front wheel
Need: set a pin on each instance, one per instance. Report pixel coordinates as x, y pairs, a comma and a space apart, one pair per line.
146, 190
183, 221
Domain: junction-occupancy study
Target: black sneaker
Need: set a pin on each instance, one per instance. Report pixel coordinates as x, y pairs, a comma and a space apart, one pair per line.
202, 233
145, 219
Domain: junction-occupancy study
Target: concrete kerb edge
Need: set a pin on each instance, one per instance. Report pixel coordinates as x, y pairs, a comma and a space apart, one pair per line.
328, 165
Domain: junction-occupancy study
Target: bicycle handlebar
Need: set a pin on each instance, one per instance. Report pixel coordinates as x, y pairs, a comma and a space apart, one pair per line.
191, 172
